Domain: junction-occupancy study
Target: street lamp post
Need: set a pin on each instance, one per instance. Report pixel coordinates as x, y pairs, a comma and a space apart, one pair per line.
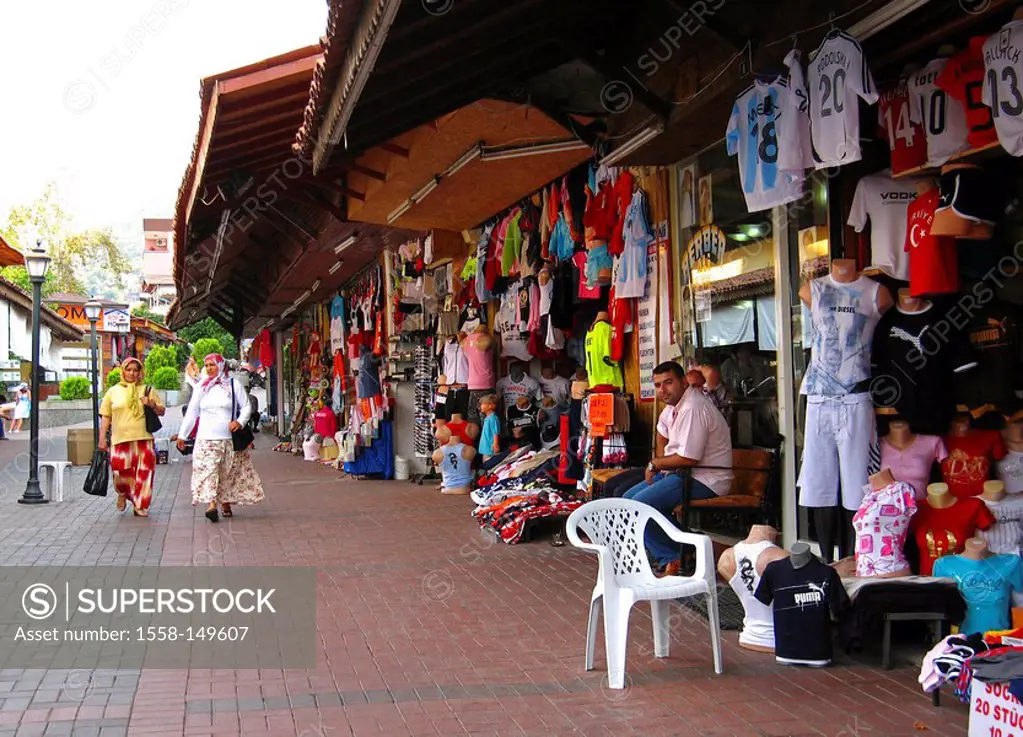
92, 312
36, 262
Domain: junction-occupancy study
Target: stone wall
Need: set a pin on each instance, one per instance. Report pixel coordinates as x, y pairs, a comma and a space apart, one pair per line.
58, 413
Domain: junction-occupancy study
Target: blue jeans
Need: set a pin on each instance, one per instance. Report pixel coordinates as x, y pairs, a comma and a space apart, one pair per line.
664, 494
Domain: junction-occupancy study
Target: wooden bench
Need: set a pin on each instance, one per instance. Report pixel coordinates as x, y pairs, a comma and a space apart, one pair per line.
754, 487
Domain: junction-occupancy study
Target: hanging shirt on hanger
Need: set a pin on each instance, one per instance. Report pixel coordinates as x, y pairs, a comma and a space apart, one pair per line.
906, 139
598, 348
885, 203
963, 80
754, 133
631, 274
943, 119
838, 77
1003, 84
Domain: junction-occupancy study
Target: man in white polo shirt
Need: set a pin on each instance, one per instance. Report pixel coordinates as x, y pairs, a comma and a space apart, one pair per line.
691, 433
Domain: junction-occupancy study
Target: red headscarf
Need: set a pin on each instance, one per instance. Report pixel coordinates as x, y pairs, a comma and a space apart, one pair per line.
221, 377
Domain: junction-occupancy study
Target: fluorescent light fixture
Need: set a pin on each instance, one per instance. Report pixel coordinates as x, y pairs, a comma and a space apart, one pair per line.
633, 144
883, 17
345, 244
497, 153
316, 285
427, 188
399, 211
302, 298
333, 269
287, 312
270, 322
465, 159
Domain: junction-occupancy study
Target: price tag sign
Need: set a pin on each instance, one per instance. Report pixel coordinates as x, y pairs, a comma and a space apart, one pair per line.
602, 414
994, 712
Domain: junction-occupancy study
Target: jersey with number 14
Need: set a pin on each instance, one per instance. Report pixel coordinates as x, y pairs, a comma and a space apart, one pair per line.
905, 138
1003, 85
755, 133
838, 76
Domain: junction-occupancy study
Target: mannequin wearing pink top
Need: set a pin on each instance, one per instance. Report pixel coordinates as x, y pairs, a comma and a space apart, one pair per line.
478, 347
910, 457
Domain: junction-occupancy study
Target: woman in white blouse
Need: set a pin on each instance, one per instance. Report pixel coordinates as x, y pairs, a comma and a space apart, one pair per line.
220, 406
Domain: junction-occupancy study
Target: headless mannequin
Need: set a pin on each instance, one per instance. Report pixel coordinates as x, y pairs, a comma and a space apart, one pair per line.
994, 491
976, 549
487, 341
939, 497
446, 439
727, 566
471, 431
881, 479
900, 437
580, 384
801, 555
909, 303
1013, 435
843, 270
947, 222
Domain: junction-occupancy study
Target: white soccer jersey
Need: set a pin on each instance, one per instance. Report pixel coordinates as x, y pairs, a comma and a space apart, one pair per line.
756, 133
796, 144
1003, 85
838, 75
885, 203
942, 117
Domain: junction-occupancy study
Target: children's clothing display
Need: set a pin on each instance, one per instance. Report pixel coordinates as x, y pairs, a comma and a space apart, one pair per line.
914, 463
941, 531
805, 601
881, 525
509, 390
986, 585
969, 460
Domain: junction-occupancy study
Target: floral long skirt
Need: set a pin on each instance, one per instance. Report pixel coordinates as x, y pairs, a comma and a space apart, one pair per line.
133, 465
211, 469
243, 484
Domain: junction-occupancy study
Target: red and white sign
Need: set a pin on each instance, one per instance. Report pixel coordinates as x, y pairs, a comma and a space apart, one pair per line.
994, 712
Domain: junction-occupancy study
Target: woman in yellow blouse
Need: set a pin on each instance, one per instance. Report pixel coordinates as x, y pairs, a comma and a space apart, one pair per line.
132, 457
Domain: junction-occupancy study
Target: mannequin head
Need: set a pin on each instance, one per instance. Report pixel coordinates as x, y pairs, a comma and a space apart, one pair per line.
939, 497
443, 435
522, 402
976, 549
547, 402
516, 371
994, 491
801, 555
547, 372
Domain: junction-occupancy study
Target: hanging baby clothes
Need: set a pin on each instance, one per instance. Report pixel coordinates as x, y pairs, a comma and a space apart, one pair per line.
632, 270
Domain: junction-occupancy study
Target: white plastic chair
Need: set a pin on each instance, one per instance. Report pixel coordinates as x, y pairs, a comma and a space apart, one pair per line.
615, 530
54, 478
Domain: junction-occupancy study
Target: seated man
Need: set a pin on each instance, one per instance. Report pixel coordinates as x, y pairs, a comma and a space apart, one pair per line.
690, 433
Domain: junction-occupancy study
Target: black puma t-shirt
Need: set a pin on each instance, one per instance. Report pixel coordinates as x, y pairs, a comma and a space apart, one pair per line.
805, 600
994, 335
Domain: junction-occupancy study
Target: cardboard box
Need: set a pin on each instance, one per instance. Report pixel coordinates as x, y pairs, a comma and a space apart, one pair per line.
80, 446
328, 452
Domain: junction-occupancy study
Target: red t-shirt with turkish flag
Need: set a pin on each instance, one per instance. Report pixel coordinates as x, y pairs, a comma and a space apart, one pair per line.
906, 139
968, 464
933, 267
944, 531
963, 79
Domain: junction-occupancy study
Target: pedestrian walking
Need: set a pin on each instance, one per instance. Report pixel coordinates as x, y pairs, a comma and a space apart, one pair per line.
220, 477
132, 455
22, 407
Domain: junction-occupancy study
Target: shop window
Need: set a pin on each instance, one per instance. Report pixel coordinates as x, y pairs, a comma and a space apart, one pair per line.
728, 267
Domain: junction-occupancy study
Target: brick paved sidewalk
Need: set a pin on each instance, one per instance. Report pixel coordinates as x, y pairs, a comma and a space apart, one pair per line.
427, 628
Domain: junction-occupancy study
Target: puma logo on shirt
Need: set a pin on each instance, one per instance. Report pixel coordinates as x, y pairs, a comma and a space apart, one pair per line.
913, 340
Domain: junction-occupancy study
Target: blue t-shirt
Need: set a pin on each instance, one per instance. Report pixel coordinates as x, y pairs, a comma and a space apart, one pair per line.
491, 429
455, 471
986, 585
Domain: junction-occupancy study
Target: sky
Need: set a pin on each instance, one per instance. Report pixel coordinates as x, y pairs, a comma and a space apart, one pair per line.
102, 98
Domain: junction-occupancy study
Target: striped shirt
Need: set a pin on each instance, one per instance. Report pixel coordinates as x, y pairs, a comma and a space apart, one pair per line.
1005, 535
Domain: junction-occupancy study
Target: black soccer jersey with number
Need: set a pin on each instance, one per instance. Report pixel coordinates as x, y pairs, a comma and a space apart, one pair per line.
915, 356
805, 601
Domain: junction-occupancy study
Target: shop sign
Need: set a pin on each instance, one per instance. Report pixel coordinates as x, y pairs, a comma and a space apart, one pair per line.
646, 314
116, 320
994, 711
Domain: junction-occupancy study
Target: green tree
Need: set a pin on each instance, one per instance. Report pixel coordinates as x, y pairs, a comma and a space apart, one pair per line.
70, 250
145, 313
204, 347
158, 357
208, 328
114, 377
19, 275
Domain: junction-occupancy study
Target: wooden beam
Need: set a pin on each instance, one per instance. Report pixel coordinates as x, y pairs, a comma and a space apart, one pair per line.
329, 207
367, 172
613, 69
550, 108
393, 148
340, 189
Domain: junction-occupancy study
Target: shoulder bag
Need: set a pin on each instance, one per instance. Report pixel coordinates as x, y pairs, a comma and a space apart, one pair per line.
243, 437
153, 423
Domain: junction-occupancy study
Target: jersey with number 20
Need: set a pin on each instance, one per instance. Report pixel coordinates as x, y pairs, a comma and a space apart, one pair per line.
838, 75
1003, 85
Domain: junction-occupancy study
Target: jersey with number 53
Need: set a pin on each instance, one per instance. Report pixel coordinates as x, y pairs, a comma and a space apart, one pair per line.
755, 133
942, 117
838, 76
1003, 85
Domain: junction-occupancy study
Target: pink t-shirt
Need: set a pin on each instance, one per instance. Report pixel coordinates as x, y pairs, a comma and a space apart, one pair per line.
913, 465
881, 525
481, 363
696, 429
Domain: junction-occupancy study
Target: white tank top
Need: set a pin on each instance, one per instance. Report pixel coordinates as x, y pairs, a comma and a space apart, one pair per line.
456, 365
758, 622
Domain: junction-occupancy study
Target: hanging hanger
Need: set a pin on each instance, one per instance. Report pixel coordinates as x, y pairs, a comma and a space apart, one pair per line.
795, 41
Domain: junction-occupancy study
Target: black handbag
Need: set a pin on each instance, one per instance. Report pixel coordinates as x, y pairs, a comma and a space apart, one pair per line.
243, 437
99, 474
153, 423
